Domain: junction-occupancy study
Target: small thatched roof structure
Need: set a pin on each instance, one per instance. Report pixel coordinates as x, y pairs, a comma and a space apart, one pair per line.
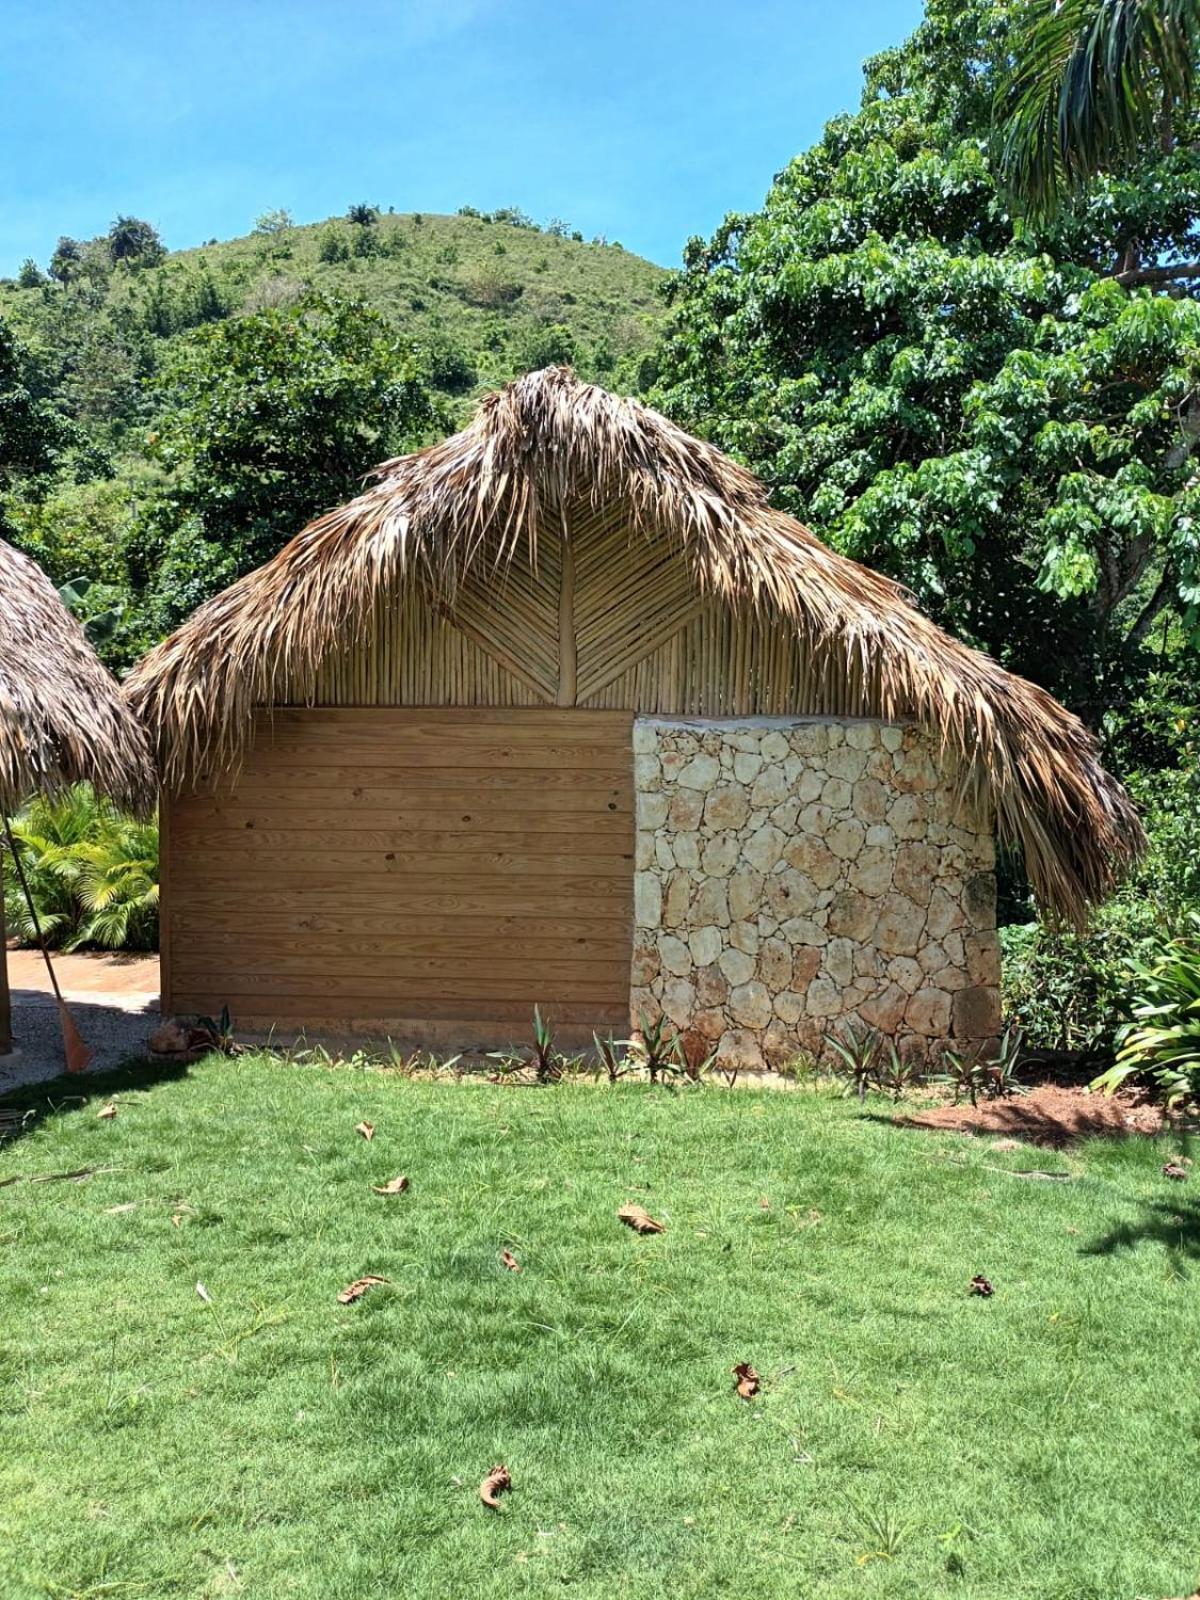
484, 498
62, 718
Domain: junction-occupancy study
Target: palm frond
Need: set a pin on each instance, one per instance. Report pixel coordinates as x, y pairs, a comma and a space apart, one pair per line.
1089, 85
92, 872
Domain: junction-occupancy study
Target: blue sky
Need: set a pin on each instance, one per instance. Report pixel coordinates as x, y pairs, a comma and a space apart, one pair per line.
643, 121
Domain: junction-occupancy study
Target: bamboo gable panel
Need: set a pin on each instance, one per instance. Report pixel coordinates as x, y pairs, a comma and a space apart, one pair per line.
412, 654
722, 664
622, 624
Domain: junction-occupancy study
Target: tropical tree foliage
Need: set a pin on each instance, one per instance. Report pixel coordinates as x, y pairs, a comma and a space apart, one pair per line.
269, 419
1093, 84
991, 415
34, 434
1162, 1043
134, 240
92, 874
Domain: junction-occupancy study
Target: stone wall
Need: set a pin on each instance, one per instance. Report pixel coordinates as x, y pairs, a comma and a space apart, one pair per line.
796, 876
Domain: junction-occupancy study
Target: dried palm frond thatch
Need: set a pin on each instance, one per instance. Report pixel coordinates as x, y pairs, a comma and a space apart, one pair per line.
62, 718
484, 497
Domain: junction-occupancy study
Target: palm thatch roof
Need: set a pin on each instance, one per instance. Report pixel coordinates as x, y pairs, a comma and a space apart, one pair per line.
62, 718
483, 498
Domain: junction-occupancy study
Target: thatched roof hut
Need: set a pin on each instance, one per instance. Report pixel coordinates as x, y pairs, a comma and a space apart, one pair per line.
574, 549
62, 718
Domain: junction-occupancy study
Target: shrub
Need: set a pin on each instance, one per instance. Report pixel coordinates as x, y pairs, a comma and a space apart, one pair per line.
274, 222
545, 347
92, 872
332, 245
1163, 1041
1069, 991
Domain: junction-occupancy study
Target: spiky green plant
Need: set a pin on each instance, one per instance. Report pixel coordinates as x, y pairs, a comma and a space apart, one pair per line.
857, 1059
608, 1052
659, 1049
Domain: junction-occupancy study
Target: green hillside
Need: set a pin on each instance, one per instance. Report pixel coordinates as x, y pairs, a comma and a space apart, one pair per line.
484, 297
175, 417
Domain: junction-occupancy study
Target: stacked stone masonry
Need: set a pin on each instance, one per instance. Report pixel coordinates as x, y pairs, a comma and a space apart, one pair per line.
796, 878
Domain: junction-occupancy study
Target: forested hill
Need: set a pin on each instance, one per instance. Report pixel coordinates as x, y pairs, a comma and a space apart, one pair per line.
174, 417
486, 296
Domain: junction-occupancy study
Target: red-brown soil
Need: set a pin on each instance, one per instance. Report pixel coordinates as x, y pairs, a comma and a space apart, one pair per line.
1052, 1114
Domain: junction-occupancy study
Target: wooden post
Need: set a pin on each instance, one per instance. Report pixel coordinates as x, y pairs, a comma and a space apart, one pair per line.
6, 1039
164, 903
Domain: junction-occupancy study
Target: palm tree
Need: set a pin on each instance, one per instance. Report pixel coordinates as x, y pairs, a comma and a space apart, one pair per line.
1093, 83
92, 871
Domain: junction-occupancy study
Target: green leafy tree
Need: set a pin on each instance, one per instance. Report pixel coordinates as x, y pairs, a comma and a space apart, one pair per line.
552, 345
36, 439
994, 417
363, 216
133, 240
66, 260
273, 222
34, 434
332, 245
269, 419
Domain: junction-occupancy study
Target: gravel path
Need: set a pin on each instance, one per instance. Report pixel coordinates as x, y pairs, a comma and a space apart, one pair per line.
115, 1031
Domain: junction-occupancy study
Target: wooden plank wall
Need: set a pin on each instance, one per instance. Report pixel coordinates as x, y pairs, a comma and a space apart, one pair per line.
430, 873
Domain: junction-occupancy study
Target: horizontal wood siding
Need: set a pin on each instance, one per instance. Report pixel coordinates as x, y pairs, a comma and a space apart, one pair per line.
423, 872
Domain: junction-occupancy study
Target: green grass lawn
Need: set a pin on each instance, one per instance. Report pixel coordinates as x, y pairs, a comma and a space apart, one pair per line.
910, 1440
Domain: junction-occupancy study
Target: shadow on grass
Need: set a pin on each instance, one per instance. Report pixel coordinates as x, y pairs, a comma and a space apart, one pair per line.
1175, 1227
23, 1109
1054, 1127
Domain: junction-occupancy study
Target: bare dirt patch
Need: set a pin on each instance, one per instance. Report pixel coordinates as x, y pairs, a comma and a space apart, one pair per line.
1052, 1114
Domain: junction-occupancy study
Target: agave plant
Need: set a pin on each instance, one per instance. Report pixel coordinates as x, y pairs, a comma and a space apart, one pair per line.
608, 1051
547, 1063
974, 1072
659, 1049
858, 1057
1163, 1041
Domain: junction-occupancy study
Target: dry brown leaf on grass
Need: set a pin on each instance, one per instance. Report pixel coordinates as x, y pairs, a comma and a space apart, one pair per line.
108, 1111
640, 1220
367, 1129
1176, 1170
393, 1186
355, 1291
494, 1485
507, 1259
747, 1380
981, 1286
